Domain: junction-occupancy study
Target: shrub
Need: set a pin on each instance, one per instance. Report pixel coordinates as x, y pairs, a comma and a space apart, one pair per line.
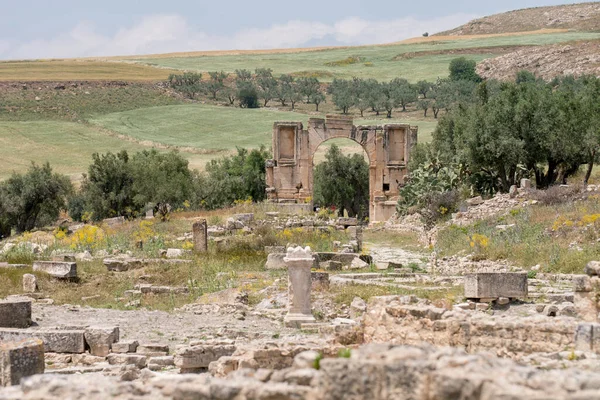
33, 199
432, 188
558, 194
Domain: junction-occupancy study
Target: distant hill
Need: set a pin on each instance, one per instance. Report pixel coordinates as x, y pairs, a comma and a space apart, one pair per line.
578, 17
578, 58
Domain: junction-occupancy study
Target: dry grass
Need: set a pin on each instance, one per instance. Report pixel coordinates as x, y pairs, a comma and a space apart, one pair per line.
69, 70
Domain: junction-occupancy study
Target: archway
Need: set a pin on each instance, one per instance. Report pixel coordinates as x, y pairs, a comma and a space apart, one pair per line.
289, 173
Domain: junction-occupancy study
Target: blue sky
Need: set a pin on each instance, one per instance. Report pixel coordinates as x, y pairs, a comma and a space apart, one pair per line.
78, 28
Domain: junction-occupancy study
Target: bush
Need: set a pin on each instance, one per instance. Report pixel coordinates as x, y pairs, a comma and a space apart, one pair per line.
33, 199
247, 95
119, 185
558, 194
228, 179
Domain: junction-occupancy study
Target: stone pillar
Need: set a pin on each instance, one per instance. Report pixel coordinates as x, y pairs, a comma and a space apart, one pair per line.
299, 262
200, 236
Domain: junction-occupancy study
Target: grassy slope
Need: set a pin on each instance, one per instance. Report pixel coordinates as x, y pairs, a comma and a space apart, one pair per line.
63, 70
214, 127
68, 146
383, 67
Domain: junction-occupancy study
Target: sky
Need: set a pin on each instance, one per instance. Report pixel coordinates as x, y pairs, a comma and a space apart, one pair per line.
82, 28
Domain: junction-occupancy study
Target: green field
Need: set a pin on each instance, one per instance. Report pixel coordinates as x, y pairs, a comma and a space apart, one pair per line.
211, 127
68, 146
376, 61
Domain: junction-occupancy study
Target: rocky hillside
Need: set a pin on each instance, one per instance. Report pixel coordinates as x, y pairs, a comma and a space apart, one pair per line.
581, 58
580, 17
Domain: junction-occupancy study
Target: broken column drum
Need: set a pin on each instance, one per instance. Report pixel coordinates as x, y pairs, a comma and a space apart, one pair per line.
299, 262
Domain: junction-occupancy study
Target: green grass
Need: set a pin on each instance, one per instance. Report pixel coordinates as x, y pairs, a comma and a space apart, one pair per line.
330, 63
68, 146
211, 127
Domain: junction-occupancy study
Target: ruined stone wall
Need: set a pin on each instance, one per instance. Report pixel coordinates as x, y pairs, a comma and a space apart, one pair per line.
389, 320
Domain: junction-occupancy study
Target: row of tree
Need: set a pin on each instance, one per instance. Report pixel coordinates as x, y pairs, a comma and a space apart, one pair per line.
523, 128
250, 90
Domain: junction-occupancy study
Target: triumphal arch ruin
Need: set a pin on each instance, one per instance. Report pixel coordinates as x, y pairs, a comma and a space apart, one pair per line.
290, 172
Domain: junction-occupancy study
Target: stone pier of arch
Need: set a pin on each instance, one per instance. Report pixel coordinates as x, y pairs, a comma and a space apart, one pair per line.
290, 172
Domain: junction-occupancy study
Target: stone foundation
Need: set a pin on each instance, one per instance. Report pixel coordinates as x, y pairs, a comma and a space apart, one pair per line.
389, 320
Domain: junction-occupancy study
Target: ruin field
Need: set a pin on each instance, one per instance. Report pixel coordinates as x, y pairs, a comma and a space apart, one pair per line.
426, 59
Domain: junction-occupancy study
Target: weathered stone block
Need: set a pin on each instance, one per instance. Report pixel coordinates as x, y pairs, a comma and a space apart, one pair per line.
129, 346
197, 357
15, 313
275, 261
55, 340
57, 269
347, 221
491, 285
127, 359
592, 268
19, 360
120, 265
581, 283
245, 218
153, 349
100, 339
29, 283
331, 265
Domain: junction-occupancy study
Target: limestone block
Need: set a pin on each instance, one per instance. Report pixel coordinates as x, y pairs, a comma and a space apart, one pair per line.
122, 264
57, 269
513, 191
29, 283
357, 263
245, 218
347, 221
15, 313
275, 261
129, 346
55, 340
175, 253
19, 360
331, 265
158, 363
382, 265
592, 268
197, 357
299, 262
153, 349
138, 360
100, 339
491, 285
581, 283
200, 235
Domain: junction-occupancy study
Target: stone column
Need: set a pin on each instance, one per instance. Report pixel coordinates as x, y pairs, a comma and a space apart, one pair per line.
299, 262
200, 236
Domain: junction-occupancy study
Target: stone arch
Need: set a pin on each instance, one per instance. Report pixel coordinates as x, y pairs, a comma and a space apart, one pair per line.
289, 173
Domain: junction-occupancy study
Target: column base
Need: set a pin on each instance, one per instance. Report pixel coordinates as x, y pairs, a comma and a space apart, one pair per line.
296, 320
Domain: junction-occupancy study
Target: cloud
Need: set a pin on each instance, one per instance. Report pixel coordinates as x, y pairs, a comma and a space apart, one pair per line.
172, 33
